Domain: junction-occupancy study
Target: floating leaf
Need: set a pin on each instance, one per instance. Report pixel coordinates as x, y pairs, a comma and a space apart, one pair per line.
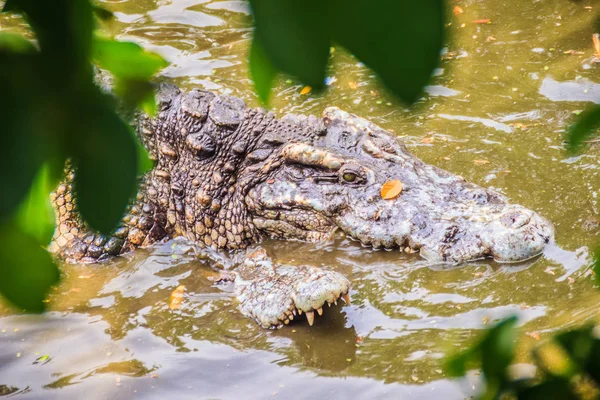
306, 90
353, 85
391, 189
482, 21
176, 297
43, 359
480, 162
596, 41
457, 10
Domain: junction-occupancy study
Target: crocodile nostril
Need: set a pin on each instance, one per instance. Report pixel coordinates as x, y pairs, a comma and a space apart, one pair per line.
515, 219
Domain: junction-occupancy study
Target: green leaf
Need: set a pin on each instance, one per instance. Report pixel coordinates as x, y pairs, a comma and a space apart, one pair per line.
458, 364
136, 93
498, 348
145, 164
578, 344
10, 6
126, 60
495, 351
262, 70
36, 214
102, 13
22, 148
553, 388
400, 40
63, 30
593, 366
105, 158
26, 268
586, 125
294, 36
15, 43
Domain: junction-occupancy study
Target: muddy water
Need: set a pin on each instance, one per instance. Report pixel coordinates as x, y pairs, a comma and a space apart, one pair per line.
495, 113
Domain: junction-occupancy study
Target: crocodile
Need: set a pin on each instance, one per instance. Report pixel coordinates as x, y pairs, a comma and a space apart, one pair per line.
226, 176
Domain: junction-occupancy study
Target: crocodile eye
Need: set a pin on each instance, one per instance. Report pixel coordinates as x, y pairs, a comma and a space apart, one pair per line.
349, 177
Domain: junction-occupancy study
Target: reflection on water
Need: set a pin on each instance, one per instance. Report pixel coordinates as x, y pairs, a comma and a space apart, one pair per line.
494, 113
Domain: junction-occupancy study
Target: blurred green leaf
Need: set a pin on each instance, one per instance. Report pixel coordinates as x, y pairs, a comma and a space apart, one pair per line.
63, 30
10, 6
105, 157
553, 388
458, 364
577, 343
102, 13
586, 125
26, 269
294, 35
593, 365
262, 71
15, 42
36, 214
136, 93
145, 164
583, 349
22, 148
132, 67
400, 40
126, 60
495, 351
498, 348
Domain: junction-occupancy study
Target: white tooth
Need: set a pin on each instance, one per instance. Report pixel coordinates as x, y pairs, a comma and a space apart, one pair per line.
320, 310
287, 321
346, 298
294, 311
291, 317
335, 302
310, 317
329, 304
299, 312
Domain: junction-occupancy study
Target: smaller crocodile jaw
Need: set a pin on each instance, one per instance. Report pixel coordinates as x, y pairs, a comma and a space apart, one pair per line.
273, 295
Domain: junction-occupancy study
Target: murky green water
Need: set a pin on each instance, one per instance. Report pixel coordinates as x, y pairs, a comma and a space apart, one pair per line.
495, 113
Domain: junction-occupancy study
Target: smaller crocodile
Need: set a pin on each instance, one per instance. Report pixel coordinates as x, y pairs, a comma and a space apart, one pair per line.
226, 176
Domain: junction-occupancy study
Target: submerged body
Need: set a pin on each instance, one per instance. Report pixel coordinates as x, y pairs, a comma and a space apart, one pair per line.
226, 176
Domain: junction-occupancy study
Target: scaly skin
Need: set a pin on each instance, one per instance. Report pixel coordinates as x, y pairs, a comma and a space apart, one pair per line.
226, 176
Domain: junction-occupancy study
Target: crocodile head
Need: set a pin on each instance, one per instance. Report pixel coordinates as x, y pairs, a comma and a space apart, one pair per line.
330, 177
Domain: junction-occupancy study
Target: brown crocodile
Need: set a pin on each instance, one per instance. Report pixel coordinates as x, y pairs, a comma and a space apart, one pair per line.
226, 176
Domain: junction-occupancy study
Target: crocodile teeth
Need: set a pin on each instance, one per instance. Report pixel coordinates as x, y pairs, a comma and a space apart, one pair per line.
346, 298
335, 302
310, 317
287, 321
291, 317
299, 312
320, 310
329, 304
294, 311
